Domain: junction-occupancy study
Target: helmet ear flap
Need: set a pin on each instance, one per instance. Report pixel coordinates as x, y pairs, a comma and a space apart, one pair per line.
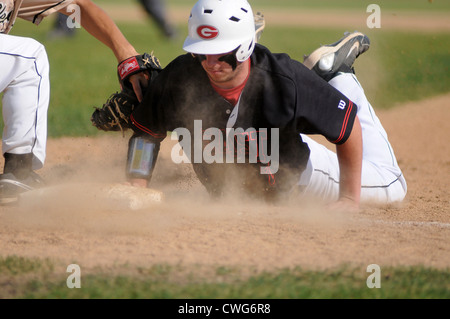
245, 50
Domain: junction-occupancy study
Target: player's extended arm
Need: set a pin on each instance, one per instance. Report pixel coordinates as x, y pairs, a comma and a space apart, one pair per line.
350, 164
100, 25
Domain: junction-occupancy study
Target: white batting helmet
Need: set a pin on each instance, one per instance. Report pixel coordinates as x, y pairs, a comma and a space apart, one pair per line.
221, 26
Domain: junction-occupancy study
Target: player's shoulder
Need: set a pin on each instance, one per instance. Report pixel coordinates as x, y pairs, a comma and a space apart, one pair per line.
182, 64
182, 70
279, 63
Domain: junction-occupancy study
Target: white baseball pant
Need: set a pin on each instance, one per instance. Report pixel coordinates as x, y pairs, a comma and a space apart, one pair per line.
24, 81
382, 180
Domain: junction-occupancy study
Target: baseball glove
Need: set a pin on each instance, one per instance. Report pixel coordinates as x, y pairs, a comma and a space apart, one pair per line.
114, 115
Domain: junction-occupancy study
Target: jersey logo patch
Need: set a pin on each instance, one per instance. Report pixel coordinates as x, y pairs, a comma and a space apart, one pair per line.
207, 32
342, 104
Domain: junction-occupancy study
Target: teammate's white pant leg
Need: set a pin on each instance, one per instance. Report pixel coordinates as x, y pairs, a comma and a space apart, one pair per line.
24, 81
381, 180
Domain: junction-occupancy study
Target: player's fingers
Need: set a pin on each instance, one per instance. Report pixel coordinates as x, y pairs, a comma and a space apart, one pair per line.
143, 79
139, 81
136, 87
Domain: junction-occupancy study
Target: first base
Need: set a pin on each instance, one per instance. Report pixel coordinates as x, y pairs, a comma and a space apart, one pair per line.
133, 197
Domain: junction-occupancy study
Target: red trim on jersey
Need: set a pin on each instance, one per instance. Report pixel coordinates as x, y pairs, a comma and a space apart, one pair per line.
345, 123
232, 95
146, 130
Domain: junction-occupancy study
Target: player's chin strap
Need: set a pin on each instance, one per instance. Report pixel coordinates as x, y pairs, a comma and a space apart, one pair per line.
142, 155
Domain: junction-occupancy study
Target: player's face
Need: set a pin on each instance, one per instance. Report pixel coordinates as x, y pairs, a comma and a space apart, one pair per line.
222, 73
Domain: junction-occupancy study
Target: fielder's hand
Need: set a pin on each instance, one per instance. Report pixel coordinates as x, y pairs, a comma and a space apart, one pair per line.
137, 71
139, 82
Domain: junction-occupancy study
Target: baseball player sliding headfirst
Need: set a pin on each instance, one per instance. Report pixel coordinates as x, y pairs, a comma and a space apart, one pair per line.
227, 85
24, 81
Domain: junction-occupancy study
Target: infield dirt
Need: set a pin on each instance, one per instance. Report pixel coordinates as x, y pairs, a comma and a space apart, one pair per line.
191, 230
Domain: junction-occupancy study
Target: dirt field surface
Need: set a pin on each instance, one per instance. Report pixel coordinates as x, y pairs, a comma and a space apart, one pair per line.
74, 224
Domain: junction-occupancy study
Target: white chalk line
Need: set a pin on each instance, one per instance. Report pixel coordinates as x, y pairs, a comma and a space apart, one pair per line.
410, 223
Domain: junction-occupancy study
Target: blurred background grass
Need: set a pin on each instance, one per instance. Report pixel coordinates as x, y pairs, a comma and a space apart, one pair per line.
401, 65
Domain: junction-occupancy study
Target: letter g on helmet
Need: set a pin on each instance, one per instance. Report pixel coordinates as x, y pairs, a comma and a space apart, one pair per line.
221, 26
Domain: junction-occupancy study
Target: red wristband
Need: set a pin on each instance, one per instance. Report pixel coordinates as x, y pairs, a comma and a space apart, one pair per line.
128, 67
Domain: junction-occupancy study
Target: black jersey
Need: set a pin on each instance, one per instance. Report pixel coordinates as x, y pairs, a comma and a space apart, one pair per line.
280, 93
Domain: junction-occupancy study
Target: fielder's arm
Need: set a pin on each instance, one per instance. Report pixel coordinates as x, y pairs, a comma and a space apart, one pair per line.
350, 165
100, 25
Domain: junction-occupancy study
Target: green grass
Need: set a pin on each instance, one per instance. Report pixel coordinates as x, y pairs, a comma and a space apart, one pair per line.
23, 278
416, 66
16, 266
